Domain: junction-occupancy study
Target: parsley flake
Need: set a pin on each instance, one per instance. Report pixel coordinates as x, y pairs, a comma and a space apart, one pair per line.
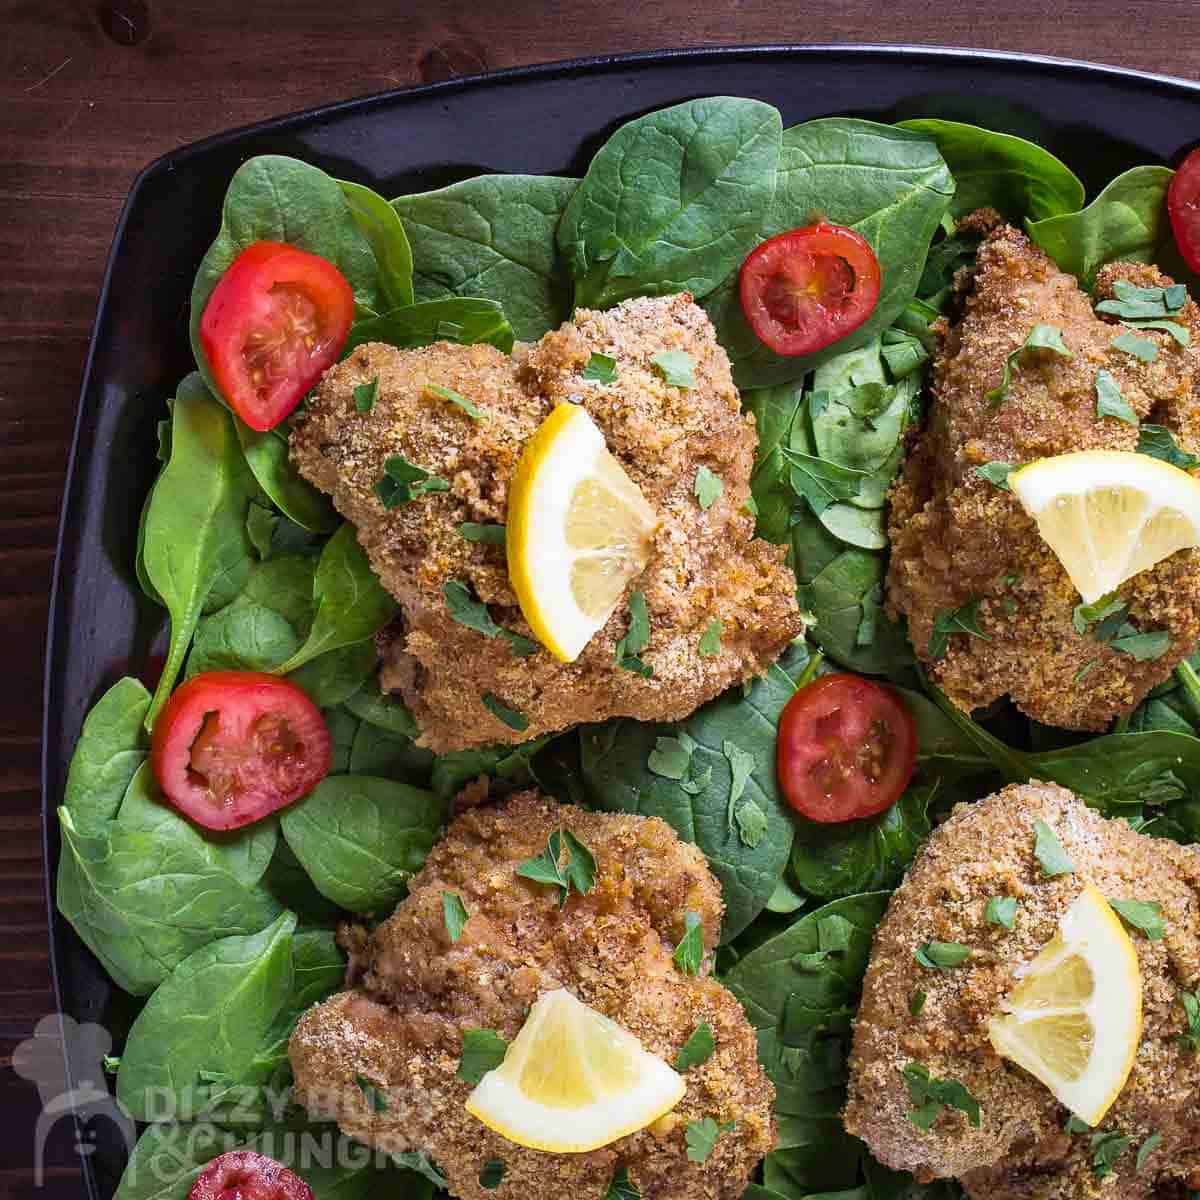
365, 395
1158, 442
376, 1100
1001, 910
708, 488
1111, 402
621, 1188
1050, 853
512, 717
709, 645
996, 473
931, 1096
1147, 1148
1106, 1149
916, 1005
689, 954
490, 535
941, 956
701, 1137
466, 610
491, 1173
697, 1049
404, 481
455, 913
1146, 916
1190, 1038
1140, 347
636, 638
964, 619
601, 368
1040, 337
578, 871
677, 368
483, 1050
445, 393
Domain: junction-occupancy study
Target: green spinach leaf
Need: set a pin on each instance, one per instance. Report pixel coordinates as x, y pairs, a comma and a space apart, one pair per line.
362, 838
672, 202
383, 229
494, 237
457, 319
267, 457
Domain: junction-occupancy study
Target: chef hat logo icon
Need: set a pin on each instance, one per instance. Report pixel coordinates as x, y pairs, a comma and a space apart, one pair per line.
58, 1039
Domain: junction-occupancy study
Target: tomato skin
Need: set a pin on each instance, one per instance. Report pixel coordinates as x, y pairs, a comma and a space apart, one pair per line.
229, 747
806, 289
1183, 207
276, 320
846, 749
248, 1175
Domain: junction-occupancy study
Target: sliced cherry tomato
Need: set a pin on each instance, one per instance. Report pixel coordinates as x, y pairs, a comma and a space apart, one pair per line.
1183, 207
807, 288
231, 746
846, 748
248, 1175
276, 319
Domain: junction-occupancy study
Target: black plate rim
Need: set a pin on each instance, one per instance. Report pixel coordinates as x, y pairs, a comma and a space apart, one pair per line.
893, 52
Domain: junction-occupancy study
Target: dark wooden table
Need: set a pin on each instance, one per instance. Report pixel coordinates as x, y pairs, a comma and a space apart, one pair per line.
90, 92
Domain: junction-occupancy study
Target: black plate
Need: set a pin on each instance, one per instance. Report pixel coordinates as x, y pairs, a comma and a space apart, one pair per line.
545, 120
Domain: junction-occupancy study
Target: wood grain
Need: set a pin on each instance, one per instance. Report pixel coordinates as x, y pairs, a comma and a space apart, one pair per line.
90, 92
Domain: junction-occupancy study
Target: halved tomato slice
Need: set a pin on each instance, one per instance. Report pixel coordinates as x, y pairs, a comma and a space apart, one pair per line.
248, 1175
276, 319
230, 747
1183, 207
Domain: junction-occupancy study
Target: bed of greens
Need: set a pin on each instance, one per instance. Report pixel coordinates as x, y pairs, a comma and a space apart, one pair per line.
224, 939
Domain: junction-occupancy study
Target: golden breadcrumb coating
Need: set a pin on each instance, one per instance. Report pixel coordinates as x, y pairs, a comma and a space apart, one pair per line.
1021, 1151
956, 537
401, 1027
705, 564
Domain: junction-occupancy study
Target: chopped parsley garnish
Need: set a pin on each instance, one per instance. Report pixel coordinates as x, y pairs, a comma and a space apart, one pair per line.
1190, 1037
750, 508
483, 1050
491, 535
1140, 347
1106, 1149
1110, 401
1146, 916
1040, 337
1001, 910
708, 488
376, 1100
964, 619
1147, 1148
916, 1005
512, 717
677, 368
1133, 303
621, 1188
1158, 442
468, 611
636, 638
404, 481
701, 1137
1144, 647
996, 473
741, 767
671, 758
445, 393
1049, 852
709, 645
697, 1049
365, 395
601, 368
931, 1096
455, 913
578, 871
1112, 629
689, 954
491, 1173
1075, 1125
941, 956
1084, 671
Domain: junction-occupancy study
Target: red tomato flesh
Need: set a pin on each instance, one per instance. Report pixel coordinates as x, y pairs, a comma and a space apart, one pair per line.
276, 319
1183, 207
808, 288
230, 747
248, 1175
846, 749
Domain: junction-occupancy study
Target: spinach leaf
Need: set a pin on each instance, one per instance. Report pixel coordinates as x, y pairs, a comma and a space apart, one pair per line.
284, 584
212, 1014
241, 637
142, 901
362, 838
456, 319
334, 677
267, 457
261, 523
493, 236
888, 184
383, 229
1001, 171
672, 202
350, 603
378, 751
278, 199
774, 410
1126, 222
384, 710
865, 855
616, 776
111, 748
507, 767
289, 883
196, 546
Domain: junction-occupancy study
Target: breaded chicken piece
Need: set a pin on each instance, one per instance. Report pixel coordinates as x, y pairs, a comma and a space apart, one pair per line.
956, 537
705, 564
1020, 1151
402, 1027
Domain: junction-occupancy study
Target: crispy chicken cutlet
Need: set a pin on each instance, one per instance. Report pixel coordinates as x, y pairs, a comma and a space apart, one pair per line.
416, 990
705, 562
957, 538
1021, 1150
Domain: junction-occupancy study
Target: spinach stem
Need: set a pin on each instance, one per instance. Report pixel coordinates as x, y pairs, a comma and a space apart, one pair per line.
810, 671
1190, 681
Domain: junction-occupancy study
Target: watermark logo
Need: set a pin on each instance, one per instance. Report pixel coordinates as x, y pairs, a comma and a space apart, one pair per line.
42, 1059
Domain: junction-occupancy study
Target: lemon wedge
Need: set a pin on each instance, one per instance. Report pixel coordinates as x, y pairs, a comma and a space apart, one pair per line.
579, 530
1075, 1018
1109, 514
573, 1080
